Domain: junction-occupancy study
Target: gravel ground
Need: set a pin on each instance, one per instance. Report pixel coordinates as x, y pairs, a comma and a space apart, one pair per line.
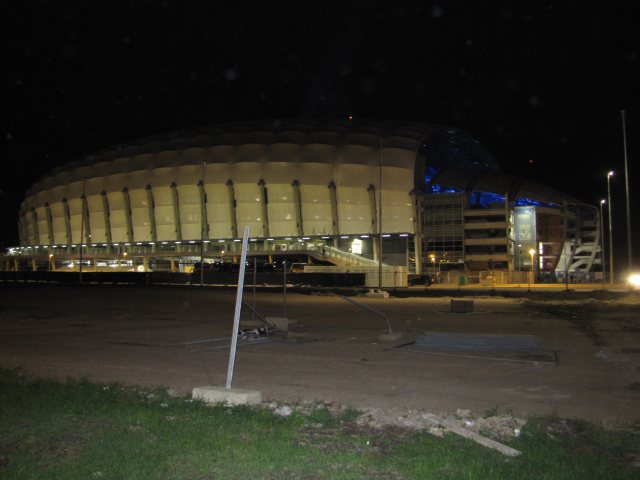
133, 335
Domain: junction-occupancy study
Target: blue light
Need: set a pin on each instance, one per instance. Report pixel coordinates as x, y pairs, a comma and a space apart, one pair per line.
528, 202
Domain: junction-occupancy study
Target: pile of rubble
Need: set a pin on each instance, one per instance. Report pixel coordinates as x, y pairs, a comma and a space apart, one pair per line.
497, 426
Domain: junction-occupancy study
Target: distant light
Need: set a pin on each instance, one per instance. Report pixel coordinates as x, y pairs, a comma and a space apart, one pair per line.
611, 173
404, 234
192, 241
350, 117
364, 236
356, 246
634, 280
344, 236
386, 235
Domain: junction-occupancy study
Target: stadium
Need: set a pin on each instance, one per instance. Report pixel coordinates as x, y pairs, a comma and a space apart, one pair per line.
393, 200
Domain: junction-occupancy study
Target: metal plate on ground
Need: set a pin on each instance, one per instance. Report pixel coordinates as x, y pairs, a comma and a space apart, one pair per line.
509, 348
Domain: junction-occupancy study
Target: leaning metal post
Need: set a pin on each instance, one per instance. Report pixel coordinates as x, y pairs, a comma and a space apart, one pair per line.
236, 316
369, 309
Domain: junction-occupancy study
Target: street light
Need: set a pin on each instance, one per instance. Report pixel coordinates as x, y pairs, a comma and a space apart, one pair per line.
603, 254
626, 182
532, 252
609, 175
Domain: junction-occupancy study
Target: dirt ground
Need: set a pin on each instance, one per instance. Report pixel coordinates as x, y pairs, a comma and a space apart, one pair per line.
127, 334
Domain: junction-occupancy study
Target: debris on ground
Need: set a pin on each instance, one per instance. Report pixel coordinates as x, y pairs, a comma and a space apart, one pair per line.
496, 426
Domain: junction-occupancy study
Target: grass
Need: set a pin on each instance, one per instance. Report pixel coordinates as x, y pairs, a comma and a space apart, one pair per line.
77, 429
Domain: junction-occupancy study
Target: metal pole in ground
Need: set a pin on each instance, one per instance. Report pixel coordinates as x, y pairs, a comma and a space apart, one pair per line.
284, 290
236, 316
253, 303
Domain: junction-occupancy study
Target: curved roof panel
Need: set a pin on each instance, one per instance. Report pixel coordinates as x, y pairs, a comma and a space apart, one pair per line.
501, 184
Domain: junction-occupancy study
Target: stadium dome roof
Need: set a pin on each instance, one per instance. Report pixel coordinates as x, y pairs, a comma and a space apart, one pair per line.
290, 140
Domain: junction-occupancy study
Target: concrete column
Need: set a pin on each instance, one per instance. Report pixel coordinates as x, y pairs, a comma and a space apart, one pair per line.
151, 205
298, 204
87, 224
107, 222
47, 210
34, 266
67, 222
145, 263
127, 214
264, 200
204, 221
36, 233
172, 264
176, 212
232, 209
334, 208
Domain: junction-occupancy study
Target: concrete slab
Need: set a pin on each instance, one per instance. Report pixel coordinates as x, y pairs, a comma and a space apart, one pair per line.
389, 337
461, 306
228, 396
376, 293
281, 323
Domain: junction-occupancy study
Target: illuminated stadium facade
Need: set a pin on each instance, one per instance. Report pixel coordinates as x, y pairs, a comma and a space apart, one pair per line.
323, 193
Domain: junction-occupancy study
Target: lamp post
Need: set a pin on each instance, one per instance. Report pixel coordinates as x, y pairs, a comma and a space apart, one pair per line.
124, 255
609, 175
51, 262
603, 254
380, 220
532, 252
84, 202
626, 181
202, 226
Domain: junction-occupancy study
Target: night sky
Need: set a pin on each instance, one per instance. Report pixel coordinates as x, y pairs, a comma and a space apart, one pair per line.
540, 84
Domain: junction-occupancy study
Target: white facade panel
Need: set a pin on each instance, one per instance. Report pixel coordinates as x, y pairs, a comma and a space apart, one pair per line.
140, 215
248, 208
218, 211
96, 219
43, 226
282, 210
59, 225
75, 215
316, 210
165, 218
315, 174
190, 217
354, 210
397, 212
117, 217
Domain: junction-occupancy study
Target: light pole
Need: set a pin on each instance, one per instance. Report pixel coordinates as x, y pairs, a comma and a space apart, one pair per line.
532, 252
84, 202
380, 220
603, 254
609, 175
202, 226
626, 181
